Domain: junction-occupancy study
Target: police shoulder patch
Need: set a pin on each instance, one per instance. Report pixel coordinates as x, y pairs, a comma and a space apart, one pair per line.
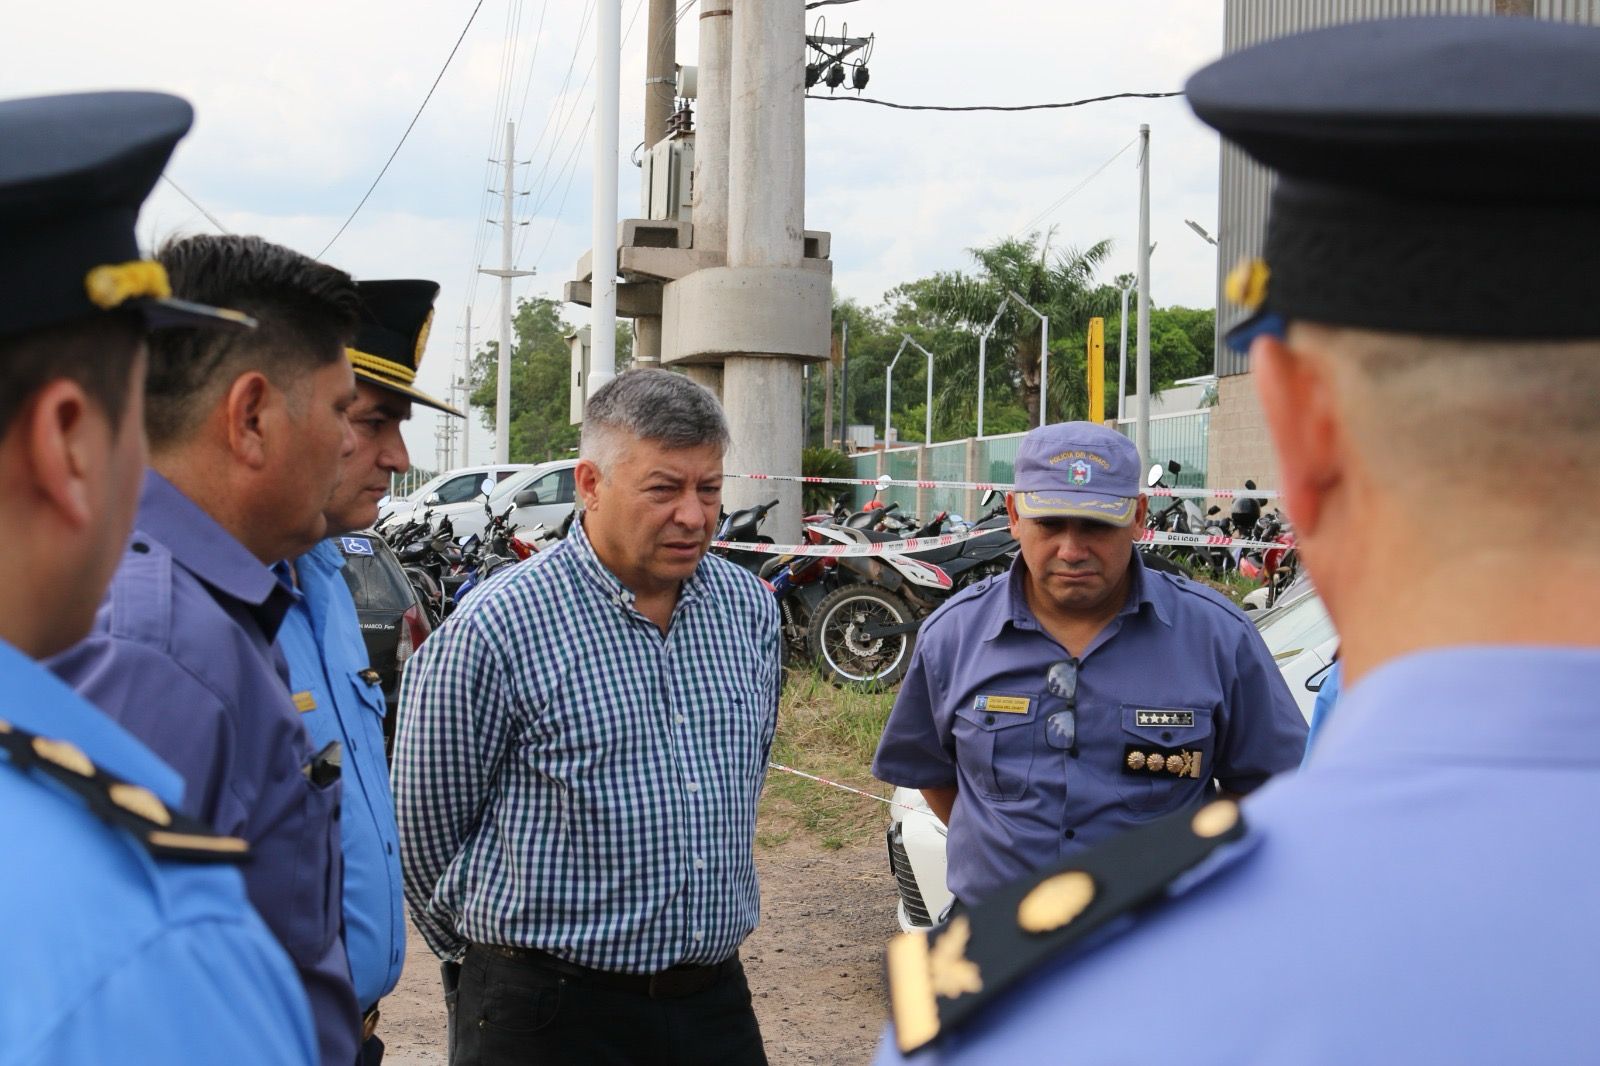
944, 977
166, 833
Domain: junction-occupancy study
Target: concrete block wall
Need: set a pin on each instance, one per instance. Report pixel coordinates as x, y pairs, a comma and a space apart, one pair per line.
1238, 445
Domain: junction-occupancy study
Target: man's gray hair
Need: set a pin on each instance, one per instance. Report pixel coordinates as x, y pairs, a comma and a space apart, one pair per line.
653, 405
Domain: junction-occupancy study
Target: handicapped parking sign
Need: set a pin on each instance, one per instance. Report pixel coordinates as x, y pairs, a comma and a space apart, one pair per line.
356, 545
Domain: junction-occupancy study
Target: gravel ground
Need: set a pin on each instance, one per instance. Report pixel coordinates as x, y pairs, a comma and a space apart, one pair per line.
815, 964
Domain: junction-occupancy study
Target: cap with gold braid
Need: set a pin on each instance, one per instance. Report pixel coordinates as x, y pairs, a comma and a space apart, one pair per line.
388, 350
73, 174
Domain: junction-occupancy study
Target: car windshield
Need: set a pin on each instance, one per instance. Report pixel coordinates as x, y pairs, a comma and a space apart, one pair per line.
1301, 624
461, 489
512, 485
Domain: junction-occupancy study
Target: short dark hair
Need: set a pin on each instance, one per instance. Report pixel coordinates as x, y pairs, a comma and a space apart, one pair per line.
98, 353
650, 404
307, 313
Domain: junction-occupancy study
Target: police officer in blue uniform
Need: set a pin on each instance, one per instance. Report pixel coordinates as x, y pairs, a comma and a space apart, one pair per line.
334, 684
1426, 345
128, 934
1082, 694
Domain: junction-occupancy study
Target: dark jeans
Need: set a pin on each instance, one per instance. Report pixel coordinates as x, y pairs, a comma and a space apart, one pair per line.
520, 1011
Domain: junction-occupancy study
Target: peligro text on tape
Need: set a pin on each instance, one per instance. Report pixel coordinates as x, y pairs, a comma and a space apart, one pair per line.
999, 486
922, 544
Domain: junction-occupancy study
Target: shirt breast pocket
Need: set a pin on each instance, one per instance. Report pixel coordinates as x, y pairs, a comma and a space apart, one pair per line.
995, 751
318, 874
1165, 756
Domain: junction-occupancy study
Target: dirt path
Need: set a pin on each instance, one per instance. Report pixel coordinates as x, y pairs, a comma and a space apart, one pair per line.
814, 964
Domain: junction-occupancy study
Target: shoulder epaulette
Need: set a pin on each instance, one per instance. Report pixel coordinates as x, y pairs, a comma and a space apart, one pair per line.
940, 978
134, 809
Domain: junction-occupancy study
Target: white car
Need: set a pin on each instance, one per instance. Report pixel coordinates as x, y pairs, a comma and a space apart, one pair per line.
1301, 638
538, 495
451, 487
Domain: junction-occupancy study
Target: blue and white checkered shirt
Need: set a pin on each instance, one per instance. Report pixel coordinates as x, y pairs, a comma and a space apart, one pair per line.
570, 779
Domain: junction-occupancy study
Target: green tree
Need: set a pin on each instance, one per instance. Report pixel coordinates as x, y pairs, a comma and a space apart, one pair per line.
541, 368
953, 306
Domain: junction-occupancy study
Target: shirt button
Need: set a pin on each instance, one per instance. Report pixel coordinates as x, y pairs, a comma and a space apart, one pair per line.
678, 718
699, 864
693, 786
699, 934
1166, 736
140, 546
1071, 833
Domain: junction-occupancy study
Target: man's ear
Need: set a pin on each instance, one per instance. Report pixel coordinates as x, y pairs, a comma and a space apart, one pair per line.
1011, 513
243, 407
1298, 397
68, 440
586, 478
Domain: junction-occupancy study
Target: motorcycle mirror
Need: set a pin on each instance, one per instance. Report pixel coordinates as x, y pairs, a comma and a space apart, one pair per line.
989, 497
385, 501
883, 483
1249, 484
1154, 477
486, 486
1214, 509
1174, 466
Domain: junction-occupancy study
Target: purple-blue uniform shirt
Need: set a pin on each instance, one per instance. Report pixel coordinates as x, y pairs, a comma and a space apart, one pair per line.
182, 656
1178, 669
1422, 892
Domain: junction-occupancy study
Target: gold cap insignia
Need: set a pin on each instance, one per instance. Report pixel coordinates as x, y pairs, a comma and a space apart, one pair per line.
953, 973
1215, 819
110, 286
1247, 283
422, 340
65, 755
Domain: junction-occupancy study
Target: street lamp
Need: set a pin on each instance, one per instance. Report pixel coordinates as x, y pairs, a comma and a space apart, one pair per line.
888, 389
927, 418
1198, 228
983, 359
1044, 356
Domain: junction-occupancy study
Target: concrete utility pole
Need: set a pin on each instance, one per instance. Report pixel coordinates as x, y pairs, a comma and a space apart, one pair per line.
1143, 437
844, 382
766, 238
1122, 355
711, 149
466, 399
603, 228
660, 91
502, 387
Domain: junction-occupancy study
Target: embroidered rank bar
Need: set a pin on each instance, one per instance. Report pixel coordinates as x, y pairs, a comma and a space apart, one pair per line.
1180, 719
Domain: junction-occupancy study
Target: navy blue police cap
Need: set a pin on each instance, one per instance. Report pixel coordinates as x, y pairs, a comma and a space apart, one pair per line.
395, 319
1435, 176
74, 171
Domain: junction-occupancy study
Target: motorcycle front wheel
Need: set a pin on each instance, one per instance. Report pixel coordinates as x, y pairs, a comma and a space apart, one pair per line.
841, 639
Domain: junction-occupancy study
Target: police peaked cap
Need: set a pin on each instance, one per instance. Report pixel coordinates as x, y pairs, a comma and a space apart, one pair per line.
395, 320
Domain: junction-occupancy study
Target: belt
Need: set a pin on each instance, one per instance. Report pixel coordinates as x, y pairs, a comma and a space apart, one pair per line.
369, 1024
676, 983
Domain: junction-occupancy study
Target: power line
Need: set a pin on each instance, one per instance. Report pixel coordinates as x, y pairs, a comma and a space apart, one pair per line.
406, 134
827, 3
993, 107
1070, 193
212, 218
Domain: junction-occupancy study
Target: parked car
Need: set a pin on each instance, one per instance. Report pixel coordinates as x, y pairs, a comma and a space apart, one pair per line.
393, 621
539, 495
1302, 640
453, 486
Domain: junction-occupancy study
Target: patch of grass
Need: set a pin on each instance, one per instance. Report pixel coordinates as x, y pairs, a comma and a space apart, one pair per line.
1233, 585
831, 733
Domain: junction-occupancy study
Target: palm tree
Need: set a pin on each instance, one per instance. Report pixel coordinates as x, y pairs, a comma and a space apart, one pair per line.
1060, 284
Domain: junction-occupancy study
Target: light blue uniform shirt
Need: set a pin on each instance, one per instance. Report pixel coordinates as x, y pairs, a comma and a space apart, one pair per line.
1322, 710
1423, 891
321, 639
111, 954
1179, 669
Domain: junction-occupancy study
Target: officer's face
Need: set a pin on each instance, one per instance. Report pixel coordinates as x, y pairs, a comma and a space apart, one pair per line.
651, 513
317, 442
1076, 565
380, 452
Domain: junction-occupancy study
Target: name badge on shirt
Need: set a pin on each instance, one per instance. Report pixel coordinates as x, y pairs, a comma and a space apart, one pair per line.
305, 701
1182, 719
1002, 704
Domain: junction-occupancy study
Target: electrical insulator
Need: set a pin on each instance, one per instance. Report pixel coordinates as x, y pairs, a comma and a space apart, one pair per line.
836, 75
813, 74
858, 78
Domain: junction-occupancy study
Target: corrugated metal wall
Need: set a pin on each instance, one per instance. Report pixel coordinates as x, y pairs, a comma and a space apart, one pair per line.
1244, 186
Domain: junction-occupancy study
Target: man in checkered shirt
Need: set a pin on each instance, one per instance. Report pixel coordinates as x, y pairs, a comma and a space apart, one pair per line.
580, 752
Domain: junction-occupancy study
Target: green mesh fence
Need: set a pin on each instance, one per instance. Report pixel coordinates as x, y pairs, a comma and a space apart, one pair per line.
1180, 438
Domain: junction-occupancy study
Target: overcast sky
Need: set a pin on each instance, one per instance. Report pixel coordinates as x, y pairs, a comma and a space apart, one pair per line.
300, 103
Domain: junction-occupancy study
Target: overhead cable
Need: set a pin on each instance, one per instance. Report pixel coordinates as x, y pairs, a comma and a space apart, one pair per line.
993, 107
439, 77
